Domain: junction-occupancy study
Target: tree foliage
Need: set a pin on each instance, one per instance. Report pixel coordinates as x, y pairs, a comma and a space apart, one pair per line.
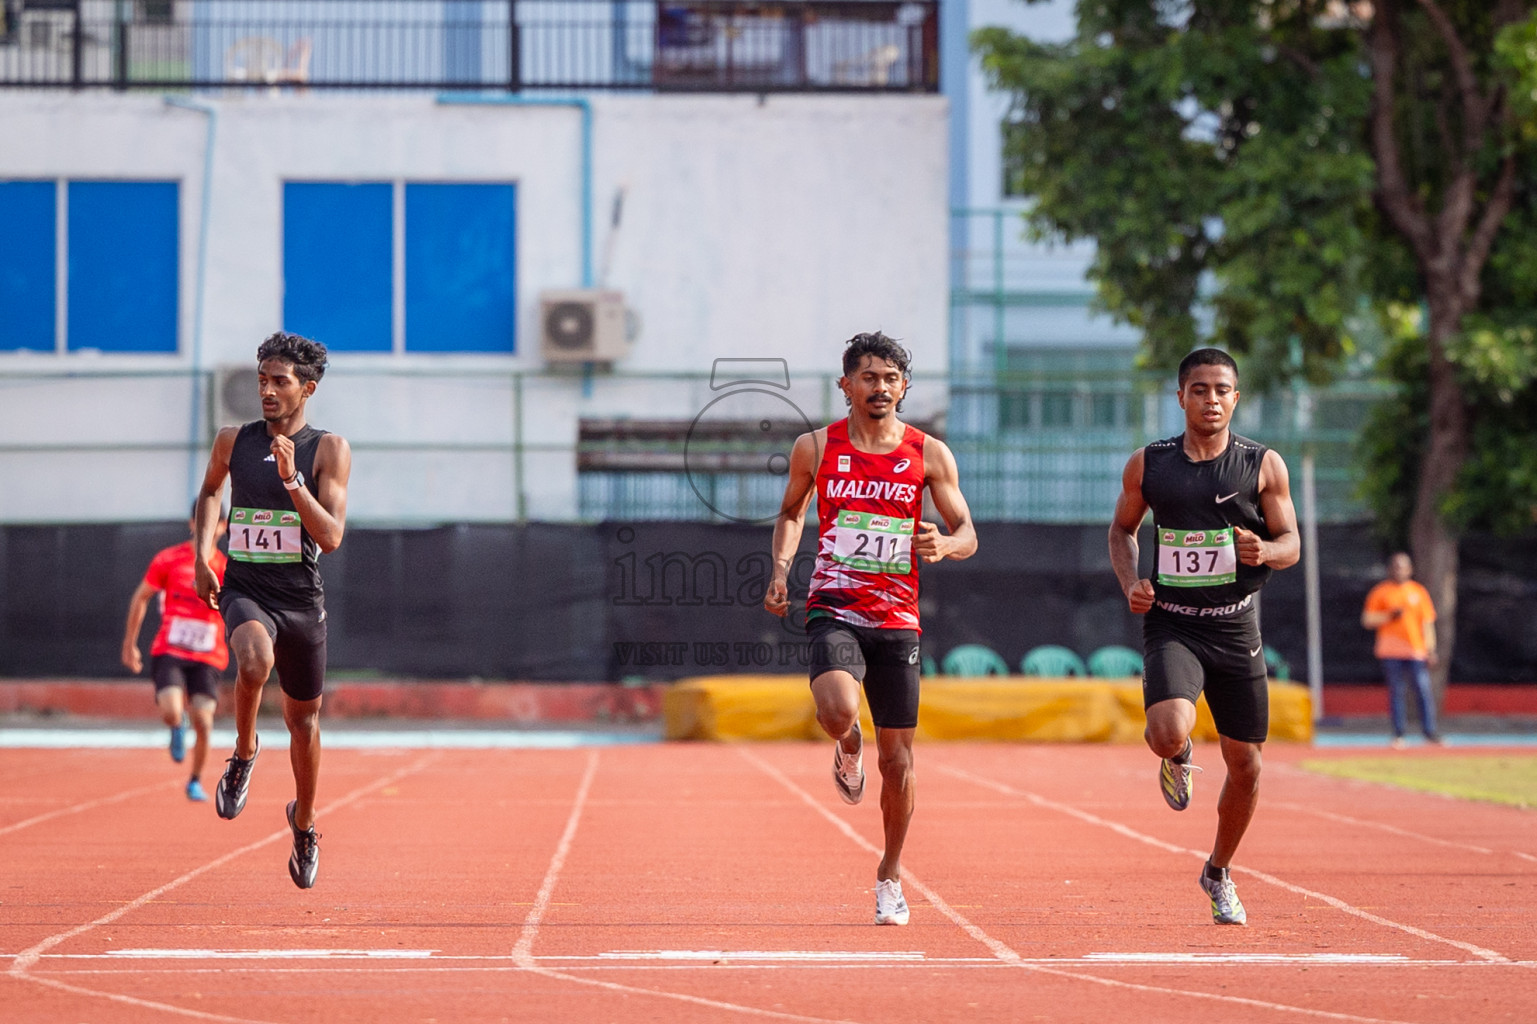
1218, 155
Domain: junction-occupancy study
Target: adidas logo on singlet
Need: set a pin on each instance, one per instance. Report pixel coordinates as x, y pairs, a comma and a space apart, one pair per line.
270, 458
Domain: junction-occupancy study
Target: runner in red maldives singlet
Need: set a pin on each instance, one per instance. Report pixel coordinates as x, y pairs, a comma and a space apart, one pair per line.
868, 507
867, 474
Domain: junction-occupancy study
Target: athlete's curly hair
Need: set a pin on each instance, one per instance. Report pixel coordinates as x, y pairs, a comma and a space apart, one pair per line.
1206, 357
881, 347
308, 357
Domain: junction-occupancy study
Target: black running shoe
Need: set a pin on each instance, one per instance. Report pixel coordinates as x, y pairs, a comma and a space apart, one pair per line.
305, 860
229, 795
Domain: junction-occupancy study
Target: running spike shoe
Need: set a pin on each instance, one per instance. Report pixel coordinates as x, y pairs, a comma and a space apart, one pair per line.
1177, 782
1226, 907
195, 791
849, 772
235, 784
179, 740
890, 905
304, 862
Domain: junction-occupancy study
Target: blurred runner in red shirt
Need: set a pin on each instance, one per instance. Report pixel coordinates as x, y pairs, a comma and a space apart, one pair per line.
187, 655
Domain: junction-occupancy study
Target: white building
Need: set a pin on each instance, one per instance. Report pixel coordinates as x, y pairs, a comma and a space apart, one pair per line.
152, 241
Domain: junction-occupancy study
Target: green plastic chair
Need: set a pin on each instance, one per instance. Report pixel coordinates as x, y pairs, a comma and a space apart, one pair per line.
1053, 660
927, 667
974, 660
1115, 662
1277, 666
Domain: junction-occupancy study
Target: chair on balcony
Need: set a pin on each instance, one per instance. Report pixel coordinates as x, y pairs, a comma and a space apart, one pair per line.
974, 660
296, 69
1115, 662
253, 59
1052, 661
872, 68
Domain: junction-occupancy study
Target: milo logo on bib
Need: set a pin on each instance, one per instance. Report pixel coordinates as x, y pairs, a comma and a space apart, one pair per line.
873, 543
1196, 558
265, 535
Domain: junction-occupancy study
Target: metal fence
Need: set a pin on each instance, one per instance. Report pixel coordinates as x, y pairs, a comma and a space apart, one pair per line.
1040, 443
514, 45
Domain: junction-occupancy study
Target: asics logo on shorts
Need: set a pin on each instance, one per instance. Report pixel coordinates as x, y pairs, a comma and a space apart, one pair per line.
912, 658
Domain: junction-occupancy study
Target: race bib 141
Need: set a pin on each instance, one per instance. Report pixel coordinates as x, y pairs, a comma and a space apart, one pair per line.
264, 535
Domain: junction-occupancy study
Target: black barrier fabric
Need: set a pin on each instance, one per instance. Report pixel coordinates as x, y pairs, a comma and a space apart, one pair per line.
656, 601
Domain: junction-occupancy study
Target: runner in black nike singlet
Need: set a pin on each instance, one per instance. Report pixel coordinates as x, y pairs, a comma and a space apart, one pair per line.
288, 503
1222, 519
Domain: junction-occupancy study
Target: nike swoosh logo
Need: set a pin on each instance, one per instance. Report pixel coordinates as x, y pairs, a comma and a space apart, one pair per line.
1227, 497
1255, 653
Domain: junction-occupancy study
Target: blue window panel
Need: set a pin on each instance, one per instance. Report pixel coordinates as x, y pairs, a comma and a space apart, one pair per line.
337, 258
123, 265
27, 253
461, 243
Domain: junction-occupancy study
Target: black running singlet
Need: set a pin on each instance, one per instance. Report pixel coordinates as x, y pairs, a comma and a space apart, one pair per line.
1195, 507
272, 558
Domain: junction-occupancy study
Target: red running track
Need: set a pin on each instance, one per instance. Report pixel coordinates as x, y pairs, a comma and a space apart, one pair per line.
727, 883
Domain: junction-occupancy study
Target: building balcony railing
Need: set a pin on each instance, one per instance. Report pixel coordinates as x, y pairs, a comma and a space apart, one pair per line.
510, 45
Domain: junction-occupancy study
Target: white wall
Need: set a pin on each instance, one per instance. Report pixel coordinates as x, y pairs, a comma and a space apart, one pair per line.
772, 228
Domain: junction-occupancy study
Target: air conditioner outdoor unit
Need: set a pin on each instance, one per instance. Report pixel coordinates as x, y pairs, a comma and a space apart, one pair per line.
585, 325
235, 398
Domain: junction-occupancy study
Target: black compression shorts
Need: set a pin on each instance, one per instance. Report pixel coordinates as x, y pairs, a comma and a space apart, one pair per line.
298, 640
195, 677
1184, 655
884, 660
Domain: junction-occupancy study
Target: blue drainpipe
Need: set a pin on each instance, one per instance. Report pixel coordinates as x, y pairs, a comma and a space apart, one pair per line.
512, 100
194, 438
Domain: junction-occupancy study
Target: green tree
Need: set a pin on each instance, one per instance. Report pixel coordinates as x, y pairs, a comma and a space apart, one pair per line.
1278, 177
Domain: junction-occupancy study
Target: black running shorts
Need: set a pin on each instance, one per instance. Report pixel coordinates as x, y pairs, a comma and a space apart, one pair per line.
884, 660
298, 640
1184, 655
195, 677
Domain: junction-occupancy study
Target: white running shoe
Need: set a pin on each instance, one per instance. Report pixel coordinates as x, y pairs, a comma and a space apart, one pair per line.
849, 772
890, 905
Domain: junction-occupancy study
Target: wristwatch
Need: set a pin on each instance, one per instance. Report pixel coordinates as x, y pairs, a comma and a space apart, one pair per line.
294, 482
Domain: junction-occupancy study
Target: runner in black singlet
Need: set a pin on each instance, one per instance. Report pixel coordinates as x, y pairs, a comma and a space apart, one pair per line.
1223, 519
288, 503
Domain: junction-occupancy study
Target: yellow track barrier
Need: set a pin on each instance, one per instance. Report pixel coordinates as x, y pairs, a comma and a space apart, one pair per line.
1003, 708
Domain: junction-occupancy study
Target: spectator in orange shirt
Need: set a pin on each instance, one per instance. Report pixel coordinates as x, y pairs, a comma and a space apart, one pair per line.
1401, 612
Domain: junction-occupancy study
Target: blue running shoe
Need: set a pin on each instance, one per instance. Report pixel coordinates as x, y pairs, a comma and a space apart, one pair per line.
195, 791
179, 740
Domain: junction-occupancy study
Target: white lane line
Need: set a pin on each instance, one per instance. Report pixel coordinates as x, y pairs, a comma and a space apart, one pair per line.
1011, 957
522, 953
339, 739
88, 805
27, 958
261, 954
718, 955
1130, 833
1346, 819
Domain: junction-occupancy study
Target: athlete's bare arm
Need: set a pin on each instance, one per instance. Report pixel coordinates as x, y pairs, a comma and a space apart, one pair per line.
944, 483
1130, 510
1275, 503
205, 520
799, 490
324, 516
138, 604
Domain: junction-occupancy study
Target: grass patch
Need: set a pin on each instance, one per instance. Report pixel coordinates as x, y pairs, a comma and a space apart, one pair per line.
1499, 780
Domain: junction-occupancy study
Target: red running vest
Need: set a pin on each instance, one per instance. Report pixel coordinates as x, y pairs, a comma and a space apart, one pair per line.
868, 507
